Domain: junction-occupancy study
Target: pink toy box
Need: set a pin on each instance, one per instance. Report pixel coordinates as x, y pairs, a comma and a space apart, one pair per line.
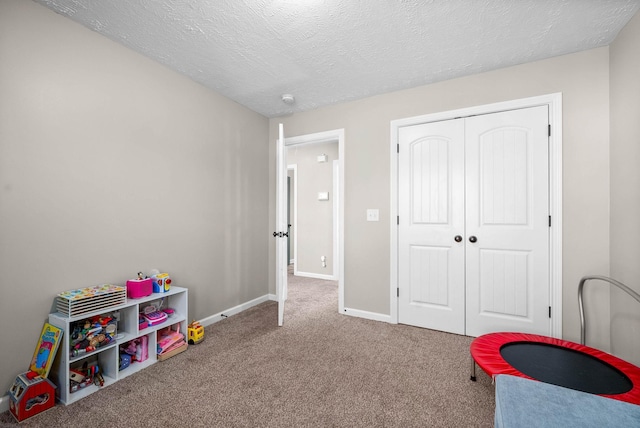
137, 288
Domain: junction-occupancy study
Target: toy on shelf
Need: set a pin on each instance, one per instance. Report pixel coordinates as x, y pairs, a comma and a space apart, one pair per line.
136, 350
125, 361
153, 315
90, 299
89, 334
142, 323
77, 376
85, 375
170, 342
161, 282
139, 287
169, 339
195, 331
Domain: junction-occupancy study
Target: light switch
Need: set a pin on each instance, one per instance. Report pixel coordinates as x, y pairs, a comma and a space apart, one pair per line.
373, 215
323, 196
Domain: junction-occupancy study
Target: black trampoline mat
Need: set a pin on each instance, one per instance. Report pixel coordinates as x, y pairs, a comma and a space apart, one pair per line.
565, 367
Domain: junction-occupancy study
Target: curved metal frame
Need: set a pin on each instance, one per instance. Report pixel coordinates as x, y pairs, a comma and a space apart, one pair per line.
600, 278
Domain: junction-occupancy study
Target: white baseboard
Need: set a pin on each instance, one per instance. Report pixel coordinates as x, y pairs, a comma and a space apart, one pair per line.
4, 403
272, 297
367, 315
316, 276
235, 310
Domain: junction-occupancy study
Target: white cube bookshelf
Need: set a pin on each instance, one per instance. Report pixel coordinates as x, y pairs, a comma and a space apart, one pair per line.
108, 356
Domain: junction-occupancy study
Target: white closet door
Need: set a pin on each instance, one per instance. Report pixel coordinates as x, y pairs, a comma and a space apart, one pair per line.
483, 179
507, 222
431, 211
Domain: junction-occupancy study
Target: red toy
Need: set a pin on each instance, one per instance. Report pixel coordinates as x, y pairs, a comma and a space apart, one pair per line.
31, 392
29, 397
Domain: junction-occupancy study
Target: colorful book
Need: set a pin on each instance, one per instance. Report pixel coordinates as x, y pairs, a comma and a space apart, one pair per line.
48, 343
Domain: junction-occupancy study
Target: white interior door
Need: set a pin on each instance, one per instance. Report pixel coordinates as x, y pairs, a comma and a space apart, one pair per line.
431, 211
473, 232
507, 193
282, 231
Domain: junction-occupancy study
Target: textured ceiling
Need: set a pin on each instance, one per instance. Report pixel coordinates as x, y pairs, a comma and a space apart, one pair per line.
330, 51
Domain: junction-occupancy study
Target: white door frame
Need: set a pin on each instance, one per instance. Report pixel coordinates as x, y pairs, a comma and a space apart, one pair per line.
554, 102
336, 135
294, 218
281, 225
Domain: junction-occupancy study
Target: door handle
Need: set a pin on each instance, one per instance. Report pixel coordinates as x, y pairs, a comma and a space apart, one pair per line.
458, 238
473, 239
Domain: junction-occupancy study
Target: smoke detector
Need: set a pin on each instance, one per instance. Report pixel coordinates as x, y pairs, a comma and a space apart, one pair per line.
288, 99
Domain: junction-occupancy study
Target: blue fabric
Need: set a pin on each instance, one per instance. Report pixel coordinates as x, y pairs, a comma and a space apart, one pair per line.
523, 402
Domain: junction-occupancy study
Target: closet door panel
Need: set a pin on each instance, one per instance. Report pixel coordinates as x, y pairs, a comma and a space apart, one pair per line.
431, 211
507, 209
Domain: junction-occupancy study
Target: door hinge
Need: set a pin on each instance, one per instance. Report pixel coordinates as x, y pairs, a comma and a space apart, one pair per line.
398, 148
549, 130
398, 291
549, 311
549, 221
398, 220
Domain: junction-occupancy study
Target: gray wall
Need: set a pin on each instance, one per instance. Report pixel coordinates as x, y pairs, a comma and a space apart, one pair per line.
315, 218
625, 189
109, 164
583, 78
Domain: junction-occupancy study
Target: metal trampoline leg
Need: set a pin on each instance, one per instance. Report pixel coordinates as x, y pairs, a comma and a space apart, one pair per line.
473, 370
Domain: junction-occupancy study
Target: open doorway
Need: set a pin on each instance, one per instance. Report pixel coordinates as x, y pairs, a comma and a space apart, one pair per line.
315, 192
312, 200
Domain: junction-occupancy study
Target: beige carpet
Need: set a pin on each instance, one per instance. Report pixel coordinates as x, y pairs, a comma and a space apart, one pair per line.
320, 369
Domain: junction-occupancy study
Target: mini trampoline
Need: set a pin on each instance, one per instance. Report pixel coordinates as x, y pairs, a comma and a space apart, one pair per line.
559, 362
